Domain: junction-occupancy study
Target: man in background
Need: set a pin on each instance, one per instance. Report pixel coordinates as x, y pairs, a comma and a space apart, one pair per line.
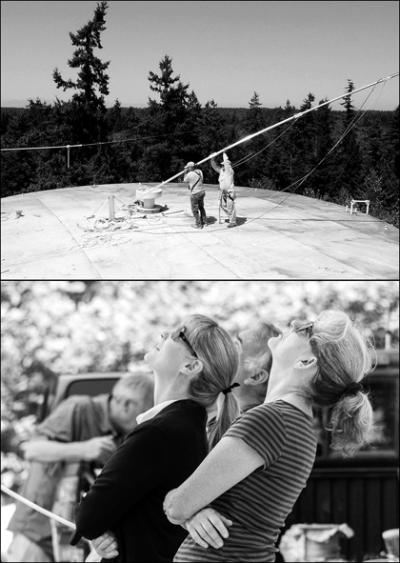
80, 434
255, 364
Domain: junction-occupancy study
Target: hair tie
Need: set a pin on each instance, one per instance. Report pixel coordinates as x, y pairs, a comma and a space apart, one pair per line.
352, 389
229, 389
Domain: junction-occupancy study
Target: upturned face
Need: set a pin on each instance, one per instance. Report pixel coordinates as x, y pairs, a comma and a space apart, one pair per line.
169, 354
292, 346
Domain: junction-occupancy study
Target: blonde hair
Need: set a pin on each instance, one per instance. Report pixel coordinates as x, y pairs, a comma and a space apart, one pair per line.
344, 358
220, 359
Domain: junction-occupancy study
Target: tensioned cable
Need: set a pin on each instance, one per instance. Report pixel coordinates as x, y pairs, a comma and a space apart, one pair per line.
247, 158
301, 180
91, 144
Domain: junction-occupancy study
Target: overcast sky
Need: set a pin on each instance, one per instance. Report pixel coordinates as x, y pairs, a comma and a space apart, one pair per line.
225, 50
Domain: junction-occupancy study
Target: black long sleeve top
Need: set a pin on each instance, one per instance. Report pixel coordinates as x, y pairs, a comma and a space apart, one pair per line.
127, 497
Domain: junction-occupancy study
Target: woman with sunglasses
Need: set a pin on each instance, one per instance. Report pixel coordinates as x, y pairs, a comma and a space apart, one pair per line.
193, 366
256, 472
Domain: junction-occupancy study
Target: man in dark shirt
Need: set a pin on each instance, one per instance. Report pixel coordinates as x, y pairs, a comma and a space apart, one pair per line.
82, 429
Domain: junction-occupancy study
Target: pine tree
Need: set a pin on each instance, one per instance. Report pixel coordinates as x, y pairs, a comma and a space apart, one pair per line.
349, 177
280, 155
168, 122
254, 168
303, 147
394, 156
86, 111
255, 120
114, 117
322, 179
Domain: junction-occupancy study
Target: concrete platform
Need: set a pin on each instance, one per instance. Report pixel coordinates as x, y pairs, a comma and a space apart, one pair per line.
279, 236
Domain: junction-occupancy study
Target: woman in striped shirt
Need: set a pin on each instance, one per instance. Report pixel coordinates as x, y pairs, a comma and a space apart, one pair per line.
237, 500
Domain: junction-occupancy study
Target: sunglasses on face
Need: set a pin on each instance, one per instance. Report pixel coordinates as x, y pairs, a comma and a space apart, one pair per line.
179, 334
306, 327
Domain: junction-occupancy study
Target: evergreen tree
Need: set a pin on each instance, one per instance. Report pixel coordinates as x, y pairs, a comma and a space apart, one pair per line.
211, 134
254, 168
322, 179
394, 145
281, 153
86, 112
349, 175
114, 117
389, 167
303, 146
166, 122
255, 119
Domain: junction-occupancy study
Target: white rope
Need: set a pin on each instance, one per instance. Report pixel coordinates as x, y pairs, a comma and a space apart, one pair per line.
38, 508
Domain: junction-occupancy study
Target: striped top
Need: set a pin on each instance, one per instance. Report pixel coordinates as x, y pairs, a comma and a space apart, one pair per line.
259, 504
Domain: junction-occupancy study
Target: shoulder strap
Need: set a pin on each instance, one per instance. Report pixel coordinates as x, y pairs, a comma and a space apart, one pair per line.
197, 181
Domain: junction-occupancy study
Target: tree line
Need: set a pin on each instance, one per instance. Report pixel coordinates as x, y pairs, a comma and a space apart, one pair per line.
152, 143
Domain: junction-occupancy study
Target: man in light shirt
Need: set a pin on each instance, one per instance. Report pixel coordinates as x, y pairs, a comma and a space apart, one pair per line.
227, 188
80, 434
194, 177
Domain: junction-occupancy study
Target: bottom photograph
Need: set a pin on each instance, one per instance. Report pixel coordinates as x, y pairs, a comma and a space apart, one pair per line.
185, 421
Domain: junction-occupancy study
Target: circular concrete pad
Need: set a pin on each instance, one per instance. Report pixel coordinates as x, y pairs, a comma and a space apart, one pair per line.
279, 236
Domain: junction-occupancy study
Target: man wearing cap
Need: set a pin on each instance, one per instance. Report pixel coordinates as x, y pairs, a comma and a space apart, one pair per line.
226, 185
194, 177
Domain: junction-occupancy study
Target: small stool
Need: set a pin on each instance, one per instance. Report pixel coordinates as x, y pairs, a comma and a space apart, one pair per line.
354, 201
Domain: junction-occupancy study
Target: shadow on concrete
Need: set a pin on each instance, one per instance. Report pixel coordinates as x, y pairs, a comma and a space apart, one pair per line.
211, 220
239, 221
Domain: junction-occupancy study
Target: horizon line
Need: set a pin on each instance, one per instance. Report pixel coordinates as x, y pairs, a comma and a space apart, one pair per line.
17, 104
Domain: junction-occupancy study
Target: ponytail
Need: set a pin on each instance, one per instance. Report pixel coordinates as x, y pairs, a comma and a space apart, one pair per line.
228, 411
220, 358
351, 423
343, 360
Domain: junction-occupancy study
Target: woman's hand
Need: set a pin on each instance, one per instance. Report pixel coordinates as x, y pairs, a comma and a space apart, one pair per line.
208, 527
106, 546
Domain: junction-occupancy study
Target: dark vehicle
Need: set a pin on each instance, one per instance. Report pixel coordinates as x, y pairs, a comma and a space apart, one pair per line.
83, 384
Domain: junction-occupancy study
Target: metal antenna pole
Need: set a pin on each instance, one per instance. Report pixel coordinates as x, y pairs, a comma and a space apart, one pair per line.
296, 116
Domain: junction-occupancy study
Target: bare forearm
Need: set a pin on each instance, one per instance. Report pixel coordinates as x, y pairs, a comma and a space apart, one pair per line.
228, 463
215, 166
48, 451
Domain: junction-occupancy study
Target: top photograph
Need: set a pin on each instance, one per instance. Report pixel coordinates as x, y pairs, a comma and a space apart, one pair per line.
199, 140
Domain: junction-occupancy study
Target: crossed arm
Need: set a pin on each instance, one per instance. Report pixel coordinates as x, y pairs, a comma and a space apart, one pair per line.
231, 461
226, 465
